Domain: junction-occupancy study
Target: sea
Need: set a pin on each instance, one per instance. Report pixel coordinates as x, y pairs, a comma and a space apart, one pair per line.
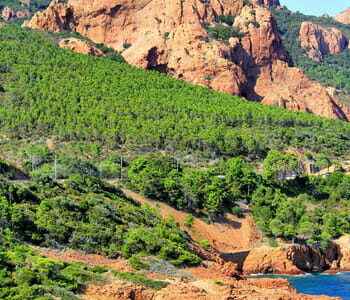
335, 285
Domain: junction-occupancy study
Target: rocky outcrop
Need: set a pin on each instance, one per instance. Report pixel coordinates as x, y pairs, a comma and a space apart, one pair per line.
258, 289
80, 46
293, 259
265, 260
290, 88
344, 17
343, 264
319, 41
267, 3
172, 37
311, 259
9, 14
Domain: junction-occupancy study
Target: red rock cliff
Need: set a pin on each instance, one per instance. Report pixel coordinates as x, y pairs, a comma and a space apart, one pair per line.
319, 41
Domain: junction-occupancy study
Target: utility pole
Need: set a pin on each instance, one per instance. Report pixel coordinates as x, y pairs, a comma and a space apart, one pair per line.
121, 168
55, 168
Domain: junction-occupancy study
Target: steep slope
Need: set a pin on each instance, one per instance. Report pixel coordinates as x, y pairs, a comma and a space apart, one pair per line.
50, 91
196, 42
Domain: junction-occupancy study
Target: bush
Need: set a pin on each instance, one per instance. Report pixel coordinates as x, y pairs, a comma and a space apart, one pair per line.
189, 220
238, 212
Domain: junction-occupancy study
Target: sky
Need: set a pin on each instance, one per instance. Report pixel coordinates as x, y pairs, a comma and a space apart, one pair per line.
317, 7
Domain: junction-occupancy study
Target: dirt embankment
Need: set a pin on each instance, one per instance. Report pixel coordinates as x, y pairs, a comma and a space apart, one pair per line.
229, 234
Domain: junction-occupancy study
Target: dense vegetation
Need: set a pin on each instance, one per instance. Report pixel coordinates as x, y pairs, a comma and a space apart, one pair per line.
26, 275
85, 214
49, 91
334, 70
284, 202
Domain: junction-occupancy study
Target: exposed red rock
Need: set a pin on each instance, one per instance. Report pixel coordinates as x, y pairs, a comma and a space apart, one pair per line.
21, 14
10, 14
343, 264
292, 259
269, 260
344, 17
171, 37
80, 46
117, 290
257, 289
319, 41
290, 88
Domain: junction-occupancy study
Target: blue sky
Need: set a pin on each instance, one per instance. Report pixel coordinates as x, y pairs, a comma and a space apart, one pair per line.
317, 7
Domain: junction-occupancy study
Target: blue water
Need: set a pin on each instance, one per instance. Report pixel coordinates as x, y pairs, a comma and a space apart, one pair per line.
337, 285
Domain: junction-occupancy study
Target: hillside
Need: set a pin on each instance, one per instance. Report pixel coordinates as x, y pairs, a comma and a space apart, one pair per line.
129, 170
47, 92
228, 46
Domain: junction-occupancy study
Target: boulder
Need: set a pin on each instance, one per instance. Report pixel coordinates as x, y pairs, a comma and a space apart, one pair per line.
80, 46
8, 13
319, 41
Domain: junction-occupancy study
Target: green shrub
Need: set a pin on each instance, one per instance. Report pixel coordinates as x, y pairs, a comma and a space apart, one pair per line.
189, 220
237, 211
141, 279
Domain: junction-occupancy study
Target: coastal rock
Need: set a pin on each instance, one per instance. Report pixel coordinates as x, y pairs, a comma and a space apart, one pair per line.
80, 46
311, 259
172, 37
344, 17
294, 259
265, 260
118, 290
319, 41
257, 289
344, 262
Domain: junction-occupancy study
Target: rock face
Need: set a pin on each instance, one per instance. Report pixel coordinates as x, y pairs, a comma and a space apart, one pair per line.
9, 14
344, 17
80, 46
319, 41
344, 262
293, 260
172, 37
